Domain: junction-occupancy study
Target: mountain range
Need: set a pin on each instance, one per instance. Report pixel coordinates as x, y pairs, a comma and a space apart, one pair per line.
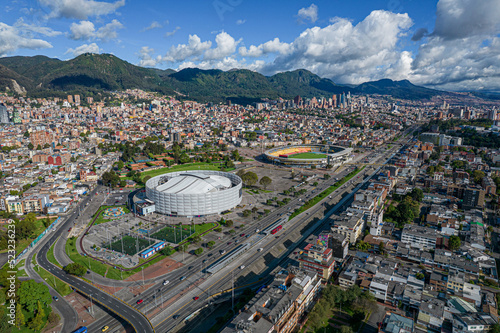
41, 75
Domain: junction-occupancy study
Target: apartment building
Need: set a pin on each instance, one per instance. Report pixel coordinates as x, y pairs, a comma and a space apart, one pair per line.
419, 236
279, 307
349, 224
318, 259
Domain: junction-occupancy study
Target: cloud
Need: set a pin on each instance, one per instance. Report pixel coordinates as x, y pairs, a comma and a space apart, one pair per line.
226, 45
194, 48
457, 19
419, 34
345, 52
108, 31
171, 33
85, 30
153, 25
85, 48
240, 22
310, 13
146, 59
82, 30
272, 46
34, 29
80, 9
463, 51
12, 39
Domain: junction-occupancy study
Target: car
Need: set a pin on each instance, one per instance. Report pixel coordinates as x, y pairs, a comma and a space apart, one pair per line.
247, 236
166, 282
105, 328
236, 241
204, 261
257, 230
69, 230
295, 252
182, 278
229, 243
209, 255
175, 317
260, 249
277, 236
242, 266
55, 298
196, 298
242, 235
140, 301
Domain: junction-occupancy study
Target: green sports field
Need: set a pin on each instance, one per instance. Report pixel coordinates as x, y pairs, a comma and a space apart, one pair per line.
308, 156
129, 245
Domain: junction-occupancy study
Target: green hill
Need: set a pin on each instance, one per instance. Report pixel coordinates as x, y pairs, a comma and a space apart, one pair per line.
94, 73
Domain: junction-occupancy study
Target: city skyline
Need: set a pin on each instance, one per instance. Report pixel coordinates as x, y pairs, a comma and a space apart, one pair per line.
442, 44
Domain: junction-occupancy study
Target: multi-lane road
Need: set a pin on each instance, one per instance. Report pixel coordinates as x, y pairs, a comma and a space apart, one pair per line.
134, 317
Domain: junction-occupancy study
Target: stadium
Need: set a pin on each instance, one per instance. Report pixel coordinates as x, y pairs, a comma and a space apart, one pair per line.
305, 156
192, 193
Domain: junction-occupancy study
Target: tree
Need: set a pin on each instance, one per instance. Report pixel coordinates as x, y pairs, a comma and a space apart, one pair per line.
265, 181
229, 223
381, 247
26, 134
478, 176
30, 146
20, 320
210, 244
454, 242
235, 155
30, 293
37, 322
123, 183
45, 146
417, 194
120, 165
250, 178
75, 269
327, 176
39, 147
198, 251
167, 250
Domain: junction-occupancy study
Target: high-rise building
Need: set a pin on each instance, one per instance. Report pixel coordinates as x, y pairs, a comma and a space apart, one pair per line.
4, 115
70, 98
297, 100
77, 99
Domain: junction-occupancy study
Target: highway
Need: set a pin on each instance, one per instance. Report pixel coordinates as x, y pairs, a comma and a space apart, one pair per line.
134, 317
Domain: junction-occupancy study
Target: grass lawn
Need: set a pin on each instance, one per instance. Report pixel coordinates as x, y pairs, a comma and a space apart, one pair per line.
183, 167
167, 233
102, 219
129, 245
62, 288
39, 228
308, 156
50, 255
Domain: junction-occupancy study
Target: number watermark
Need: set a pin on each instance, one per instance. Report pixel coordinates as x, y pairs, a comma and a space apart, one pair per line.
11, 261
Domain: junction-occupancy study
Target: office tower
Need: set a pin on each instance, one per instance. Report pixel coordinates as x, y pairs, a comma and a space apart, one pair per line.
70, 98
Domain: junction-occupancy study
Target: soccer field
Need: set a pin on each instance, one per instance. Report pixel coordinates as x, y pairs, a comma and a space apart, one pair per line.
129, 245
181, 232
308, 156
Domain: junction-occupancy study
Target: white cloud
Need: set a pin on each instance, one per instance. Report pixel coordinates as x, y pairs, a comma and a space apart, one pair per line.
272, 46
82, 30
85, 30
153, 25
181, 52
85, 48
310, 13
171, 33
463, 51
240, 22
12, 39
108, 31
34, 29
80, 9
145, 54
226, 45
345, 52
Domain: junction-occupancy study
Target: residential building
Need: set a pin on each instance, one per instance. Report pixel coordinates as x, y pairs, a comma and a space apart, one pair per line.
349, 224
419, 236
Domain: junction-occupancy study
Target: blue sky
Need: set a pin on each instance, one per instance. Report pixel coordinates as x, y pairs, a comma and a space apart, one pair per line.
445, 44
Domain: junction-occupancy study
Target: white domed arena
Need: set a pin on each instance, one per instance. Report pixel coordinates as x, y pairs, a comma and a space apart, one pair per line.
194, 193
